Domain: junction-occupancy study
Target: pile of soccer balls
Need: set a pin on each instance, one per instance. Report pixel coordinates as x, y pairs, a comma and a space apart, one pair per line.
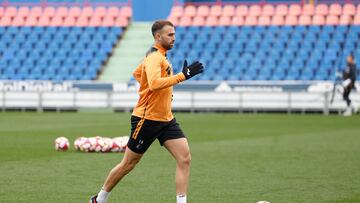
94, 144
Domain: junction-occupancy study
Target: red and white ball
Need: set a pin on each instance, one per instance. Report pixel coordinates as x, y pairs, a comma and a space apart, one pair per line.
120, 143
79, 142
108, 143
62, 144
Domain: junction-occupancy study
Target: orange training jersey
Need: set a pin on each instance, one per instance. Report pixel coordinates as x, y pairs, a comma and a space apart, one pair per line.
156, 79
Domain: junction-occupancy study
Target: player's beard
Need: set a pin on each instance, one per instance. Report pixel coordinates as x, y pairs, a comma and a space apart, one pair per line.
168, 46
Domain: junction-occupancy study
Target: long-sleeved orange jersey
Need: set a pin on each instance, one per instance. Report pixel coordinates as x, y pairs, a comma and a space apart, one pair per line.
156, 79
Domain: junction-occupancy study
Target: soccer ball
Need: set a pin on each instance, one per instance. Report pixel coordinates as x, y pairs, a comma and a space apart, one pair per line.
62, 144
119, 144
108, 143
78, 143
98, 144
85, 145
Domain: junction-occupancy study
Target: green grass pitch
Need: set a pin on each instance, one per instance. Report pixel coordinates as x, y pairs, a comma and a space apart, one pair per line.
237, 158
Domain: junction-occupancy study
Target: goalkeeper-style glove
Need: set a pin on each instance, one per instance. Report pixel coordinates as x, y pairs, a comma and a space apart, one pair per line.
192, 70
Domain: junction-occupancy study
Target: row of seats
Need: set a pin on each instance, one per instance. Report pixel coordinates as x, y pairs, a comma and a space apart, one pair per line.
267, 52
63, 11
264, 10
266, 20
266, 15
55, 53
64, 16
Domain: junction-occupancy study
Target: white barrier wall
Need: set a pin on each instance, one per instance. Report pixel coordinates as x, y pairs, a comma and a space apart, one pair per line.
199, 96
182, 100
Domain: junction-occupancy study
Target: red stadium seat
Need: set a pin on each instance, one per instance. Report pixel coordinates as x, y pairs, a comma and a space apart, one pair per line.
122, 22
335, 9
127, 12
57, 21
224, 21
49, 12
11, 11
69, 21
198, 21
185, 21
74, 12
294, 10
36, 11
254, 10
113, 11
174, 20
108, 21
291, 20
250, 20
321, 9
31, 21
281, 10
318, 20
18, 21
23, 11
237, 21
357, 19
203, 11
345, 19
277, 20
100, 11
349, 9
211, 21
95, 21
62, 11
304, 20
87, 11
216, 10
228, 10
190, 11
44, 21
264, 20
242, 10
177, 11
82, 21
5, 21
268, 10
308, 9
332, 20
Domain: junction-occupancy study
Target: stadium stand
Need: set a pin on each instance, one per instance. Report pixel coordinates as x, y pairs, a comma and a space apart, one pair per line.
266, 42
58, 43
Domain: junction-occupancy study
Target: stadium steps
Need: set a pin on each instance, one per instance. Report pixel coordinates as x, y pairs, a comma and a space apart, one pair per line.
128, 53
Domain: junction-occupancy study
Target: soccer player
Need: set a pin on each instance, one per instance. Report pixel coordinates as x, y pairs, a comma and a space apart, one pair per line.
152, 117
349, 77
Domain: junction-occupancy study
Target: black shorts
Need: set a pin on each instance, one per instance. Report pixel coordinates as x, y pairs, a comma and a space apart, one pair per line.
144, 132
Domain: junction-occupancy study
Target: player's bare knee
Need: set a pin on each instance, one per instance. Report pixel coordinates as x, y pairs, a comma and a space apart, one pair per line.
185, 160
130, 164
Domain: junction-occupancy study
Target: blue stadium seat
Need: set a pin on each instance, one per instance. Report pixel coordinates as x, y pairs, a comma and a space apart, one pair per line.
292, 74
264, 74
278, 74
306, 74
